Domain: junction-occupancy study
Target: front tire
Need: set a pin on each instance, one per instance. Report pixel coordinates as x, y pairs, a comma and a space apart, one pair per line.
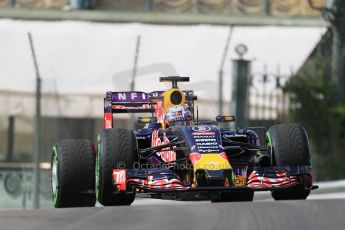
289, 145
117, 149
72, 174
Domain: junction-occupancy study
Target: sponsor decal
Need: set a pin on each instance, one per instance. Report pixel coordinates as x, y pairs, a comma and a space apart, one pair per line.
212, 161
203, 134
159, 113
227, 136
208, 150
119, 177
206, 142
108, 120
144, 106
212, 165
130, 96
239, 180
201, 128
241, 171
156, 93
166, 154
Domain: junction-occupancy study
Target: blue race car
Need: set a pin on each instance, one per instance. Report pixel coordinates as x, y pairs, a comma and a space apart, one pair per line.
177, 156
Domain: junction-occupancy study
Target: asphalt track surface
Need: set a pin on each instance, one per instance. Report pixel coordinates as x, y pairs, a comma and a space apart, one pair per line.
266, 215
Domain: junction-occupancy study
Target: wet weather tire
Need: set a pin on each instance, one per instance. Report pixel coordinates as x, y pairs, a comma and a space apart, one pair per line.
117, 149
73, 173
289, 143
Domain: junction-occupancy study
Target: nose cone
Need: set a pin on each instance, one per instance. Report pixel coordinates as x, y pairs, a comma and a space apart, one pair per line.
213, 177
211, 161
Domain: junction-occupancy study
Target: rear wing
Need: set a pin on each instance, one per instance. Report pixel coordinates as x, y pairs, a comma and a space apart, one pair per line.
136, 102
127, 102
130, 102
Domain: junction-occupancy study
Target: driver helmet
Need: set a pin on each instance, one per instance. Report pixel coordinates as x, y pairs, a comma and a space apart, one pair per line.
177, 115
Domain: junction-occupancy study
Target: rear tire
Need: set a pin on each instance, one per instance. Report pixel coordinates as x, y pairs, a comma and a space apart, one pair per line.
73, 173
289, 144
117, 149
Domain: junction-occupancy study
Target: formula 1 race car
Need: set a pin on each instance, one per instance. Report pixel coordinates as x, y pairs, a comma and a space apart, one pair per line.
178, 156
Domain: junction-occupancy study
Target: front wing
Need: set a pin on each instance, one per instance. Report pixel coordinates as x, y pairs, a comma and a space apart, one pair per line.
159, 180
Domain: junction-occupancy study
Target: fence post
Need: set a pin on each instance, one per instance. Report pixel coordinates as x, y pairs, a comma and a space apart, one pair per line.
267, 7
149, 5
37, 127
240, 87
10, 138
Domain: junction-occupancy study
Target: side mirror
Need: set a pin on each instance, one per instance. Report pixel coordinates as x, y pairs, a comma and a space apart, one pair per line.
146, 120
221, 118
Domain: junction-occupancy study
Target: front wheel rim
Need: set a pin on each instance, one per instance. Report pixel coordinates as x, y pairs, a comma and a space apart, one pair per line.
97, 168
54, 175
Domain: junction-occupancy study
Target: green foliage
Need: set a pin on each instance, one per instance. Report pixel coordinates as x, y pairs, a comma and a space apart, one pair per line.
311, 99
312, 105
339, 111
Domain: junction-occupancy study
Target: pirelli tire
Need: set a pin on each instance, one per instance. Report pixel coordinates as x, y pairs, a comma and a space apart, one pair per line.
116, 149
73, 174
289, 147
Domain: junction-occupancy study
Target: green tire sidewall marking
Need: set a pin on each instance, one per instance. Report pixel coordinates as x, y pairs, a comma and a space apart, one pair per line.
233, 177
269, 139
269, 144
98, 160
56, 195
